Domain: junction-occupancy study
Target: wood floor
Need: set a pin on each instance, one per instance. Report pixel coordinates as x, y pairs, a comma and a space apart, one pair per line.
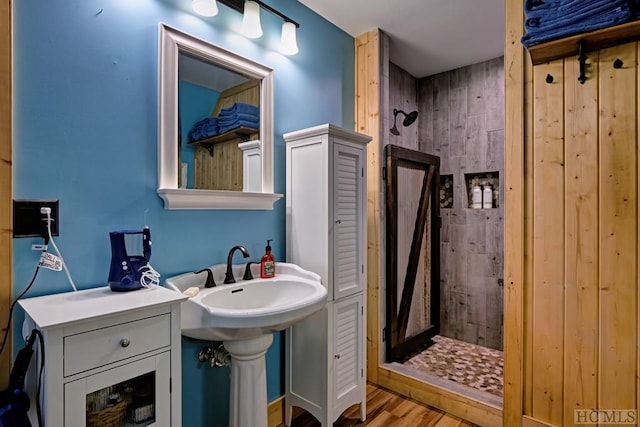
387, 409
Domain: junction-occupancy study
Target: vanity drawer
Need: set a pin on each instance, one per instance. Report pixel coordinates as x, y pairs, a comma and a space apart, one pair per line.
100, 347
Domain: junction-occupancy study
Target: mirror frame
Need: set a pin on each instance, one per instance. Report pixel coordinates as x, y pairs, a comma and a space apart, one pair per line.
172, 42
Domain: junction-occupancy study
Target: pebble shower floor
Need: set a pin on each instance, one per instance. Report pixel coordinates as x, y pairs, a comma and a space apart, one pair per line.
468, 364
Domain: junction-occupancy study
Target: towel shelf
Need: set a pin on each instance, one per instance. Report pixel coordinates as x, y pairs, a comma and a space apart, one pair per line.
593, 40
243, 133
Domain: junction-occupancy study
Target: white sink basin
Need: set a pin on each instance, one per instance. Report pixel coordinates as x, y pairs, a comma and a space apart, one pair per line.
248, 308
244, 315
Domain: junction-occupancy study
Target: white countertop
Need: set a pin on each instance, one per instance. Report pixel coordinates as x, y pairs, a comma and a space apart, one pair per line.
62, 309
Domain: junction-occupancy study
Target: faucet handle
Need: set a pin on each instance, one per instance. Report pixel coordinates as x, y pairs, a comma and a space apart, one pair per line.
247, 271
209, 283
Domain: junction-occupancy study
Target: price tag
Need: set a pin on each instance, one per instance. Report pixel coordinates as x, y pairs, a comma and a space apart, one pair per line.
50, 261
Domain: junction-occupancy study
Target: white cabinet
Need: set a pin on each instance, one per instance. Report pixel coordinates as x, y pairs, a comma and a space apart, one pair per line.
110, 358
326, 234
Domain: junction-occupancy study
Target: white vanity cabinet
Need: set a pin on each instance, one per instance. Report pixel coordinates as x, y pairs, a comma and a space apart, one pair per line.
110, 357
326, 234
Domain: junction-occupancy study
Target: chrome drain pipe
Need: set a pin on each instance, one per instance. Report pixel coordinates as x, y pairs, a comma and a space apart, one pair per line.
217, 355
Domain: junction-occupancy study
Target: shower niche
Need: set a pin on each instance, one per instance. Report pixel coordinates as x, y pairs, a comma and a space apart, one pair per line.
483, 182
446, 191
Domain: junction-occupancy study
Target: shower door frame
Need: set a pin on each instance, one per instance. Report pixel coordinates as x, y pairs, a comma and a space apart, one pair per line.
397, 346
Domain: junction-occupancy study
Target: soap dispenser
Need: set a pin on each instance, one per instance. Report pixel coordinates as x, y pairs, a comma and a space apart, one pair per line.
476, 196
267, 263
487, 196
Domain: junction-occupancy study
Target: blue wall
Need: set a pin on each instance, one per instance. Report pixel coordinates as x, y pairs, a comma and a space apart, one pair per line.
85, 132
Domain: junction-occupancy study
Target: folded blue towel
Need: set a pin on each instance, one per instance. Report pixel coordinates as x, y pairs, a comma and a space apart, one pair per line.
240, 108
595, 22
580, 6
203, 129
225, 120
237, 124
593, 10
533, 8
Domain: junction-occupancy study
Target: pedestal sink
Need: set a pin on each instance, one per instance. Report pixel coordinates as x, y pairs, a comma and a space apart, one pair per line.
244, 316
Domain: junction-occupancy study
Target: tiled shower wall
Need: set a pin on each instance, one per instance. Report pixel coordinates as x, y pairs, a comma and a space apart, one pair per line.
461, 121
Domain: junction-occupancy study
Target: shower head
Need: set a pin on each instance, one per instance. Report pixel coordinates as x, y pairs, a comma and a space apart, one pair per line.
408, 120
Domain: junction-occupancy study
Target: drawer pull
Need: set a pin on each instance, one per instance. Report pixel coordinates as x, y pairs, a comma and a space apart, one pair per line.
124, 343
337, 356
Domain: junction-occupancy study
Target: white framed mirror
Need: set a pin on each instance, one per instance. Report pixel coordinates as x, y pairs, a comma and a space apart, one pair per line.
225, 159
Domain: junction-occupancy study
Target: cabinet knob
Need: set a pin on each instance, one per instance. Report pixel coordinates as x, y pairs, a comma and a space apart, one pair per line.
337, 356
124, 343
339, 221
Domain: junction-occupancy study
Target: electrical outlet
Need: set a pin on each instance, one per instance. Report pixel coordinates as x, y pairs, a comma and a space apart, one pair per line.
29, 222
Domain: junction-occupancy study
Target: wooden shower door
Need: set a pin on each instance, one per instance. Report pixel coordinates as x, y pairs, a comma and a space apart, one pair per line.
579, 298
413, 251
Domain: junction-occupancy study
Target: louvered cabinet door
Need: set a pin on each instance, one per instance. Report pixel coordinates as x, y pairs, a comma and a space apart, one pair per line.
348, 221
348, 362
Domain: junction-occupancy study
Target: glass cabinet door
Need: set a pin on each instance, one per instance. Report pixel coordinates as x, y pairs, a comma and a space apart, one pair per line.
133, 395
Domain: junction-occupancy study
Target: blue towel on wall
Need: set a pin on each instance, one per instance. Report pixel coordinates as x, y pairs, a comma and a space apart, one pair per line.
593, 10
239, 108
595, 22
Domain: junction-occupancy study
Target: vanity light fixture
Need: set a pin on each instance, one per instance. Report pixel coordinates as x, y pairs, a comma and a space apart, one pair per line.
252, 28
288, 43
205, 7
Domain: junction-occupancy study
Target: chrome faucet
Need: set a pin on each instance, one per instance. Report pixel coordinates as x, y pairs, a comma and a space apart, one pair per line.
228, 277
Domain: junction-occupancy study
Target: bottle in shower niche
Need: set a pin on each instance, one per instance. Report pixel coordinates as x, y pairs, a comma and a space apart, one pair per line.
476, 196
487, 196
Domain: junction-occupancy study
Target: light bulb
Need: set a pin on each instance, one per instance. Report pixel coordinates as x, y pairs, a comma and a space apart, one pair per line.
205, 7
251, 27
288, 43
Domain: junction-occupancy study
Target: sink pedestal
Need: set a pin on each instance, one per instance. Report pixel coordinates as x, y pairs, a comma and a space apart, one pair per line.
248, 400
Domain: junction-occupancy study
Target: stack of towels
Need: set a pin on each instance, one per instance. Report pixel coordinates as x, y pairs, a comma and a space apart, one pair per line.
204, 128
239, 115
552, 19
229, 118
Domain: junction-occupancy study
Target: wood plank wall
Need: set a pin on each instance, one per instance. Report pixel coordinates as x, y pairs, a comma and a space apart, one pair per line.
571, 302
617, 219
514, 220
367, 108
580, 207
462, 122
5, 181
403, 95
583, 311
